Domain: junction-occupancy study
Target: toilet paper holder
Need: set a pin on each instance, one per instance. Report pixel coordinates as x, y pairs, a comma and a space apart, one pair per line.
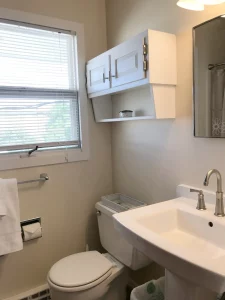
29, 222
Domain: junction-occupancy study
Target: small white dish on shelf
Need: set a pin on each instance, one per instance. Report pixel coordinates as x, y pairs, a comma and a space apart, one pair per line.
126, 114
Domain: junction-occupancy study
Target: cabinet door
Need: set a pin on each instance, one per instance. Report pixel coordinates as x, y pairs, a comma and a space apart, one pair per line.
127, 62
98, 71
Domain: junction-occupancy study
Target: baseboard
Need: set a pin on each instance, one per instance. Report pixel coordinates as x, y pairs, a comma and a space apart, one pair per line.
40, 293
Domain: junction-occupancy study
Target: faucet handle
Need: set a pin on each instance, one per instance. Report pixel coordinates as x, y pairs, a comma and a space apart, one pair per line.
201, 199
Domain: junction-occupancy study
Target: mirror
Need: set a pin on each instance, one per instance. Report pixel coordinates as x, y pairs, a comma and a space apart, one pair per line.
209, 78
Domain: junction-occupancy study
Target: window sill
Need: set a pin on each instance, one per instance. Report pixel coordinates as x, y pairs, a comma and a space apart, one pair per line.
19, 161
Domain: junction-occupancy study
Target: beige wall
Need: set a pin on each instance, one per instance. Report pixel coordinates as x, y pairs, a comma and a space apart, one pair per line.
150, 158
66, 202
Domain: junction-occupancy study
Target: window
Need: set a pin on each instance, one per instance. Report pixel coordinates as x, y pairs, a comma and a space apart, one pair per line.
38, 88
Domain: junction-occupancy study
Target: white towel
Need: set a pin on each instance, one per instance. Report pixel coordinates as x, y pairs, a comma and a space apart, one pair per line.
10, 230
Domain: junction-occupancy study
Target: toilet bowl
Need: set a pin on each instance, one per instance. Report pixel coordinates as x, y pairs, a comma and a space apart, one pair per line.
88, 275
95, 276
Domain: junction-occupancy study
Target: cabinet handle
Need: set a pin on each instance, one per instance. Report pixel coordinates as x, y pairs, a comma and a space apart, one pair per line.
114, 76
104, 78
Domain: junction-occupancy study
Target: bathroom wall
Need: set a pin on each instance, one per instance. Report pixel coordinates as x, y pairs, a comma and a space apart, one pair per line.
150, 158
66, 202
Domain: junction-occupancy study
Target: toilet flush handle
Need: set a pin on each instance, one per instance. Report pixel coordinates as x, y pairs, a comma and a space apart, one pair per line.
98, 213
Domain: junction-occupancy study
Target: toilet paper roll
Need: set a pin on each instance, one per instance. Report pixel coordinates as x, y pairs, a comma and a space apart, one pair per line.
32, 231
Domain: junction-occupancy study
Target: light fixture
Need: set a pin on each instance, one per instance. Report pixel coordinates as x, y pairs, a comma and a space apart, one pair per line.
191, 4
210, 2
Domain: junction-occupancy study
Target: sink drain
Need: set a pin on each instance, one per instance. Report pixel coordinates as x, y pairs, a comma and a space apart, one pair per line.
210, 224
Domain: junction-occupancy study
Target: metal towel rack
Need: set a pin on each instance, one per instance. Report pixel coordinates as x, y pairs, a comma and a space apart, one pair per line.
212, 66
43, 177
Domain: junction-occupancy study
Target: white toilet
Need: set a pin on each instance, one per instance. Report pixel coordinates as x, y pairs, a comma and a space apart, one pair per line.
91, 275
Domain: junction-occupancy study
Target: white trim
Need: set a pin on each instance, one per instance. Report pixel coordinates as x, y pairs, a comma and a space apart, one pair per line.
120, 88
15, 161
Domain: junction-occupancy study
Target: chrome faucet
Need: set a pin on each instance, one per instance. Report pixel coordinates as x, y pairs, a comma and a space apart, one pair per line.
219, 210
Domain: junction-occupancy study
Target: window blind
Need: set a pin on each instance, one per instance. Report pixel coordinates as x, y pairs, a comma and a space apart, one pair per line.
38, 88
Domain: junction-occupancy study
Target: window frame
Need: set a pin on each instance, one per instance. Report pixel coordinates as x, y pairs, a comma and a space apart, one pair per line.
57, 156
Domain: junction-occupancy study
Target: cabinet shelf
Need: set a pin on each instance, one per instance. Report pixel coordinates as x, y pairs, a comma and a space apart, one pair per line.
126, 119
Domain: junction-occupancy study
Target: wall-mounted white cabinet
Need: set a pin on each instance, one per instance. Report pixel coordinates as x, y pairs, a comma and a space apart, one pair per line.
149, 59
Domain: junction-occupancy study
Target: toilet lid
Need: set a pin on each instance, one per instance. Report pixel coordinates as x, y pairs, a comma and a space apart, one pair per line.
80, 269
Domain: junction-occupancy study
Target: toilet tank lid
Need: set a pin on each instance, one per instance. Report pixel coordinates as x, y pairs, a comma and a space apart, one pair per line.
80, 269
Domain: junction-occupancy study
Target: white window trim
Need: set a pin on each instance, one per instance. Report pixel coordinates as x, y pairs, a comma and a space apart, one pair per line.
16, 161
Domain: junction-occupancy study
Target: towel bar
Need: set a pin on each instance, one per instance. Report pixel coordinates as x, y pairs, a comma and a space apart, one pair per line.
212, 66
43, 177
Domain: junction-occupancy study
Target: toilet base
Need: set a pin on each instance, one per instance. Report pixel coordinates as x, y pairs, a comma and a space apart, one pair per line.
118, 288
113, 288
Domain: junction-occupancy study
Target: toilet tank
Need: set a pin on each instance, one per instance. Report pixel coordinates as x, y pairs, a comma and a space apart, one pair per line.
114, 243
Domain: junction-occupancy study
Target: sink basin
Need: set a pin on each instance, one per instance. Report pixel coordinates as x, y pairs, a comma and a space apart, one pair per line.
189, 243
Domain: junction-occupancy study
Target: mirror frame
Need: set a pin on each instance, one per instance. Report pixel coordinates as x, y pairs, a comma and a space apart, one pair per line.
193, 74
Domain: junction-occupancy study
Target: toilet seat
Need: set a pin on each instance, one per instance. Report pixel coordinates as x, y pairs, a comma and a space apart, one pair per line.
80, 271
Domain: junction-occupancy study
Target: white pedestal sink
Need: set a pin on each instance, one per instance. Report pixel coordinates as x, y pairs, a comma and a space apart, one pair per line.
190, 244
